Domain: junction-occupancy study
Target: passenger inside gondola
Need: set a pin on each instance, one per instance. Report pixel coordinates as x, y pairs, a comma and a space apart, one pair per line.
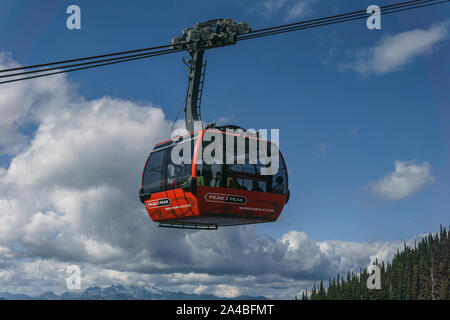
218, 179
279, 186
232, 183
256, 186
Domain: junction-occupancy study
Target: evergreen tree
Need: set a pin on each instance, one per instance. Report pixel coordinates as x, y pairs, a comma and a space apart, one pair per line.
421, 272
322, 293
305, 295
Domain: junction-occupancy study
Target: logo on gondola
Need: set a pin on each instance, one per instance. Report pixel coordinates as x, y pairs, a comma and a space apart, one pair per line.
225, 198
158, 203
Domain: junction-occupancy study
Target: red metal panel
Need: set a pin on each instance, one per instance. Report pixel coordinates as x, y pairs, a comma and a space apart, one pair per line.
235, 203
171, 204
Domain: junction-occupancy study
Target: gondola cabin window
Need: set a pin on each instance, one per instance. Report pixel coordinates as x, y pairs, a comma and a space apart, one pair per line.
241, 170
162, 172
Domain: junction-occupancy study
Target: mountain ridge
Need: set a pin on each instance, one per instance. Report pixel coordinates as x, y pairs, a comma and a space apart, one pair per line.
120, 292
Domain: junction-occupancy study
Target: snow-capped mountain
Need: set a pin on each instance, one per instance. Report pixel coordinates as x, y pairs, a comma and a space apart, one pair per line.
119, 292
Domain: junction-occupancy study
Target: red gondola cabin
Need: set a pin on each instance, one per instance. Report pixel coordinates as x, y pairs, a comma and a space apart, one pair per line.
198, 195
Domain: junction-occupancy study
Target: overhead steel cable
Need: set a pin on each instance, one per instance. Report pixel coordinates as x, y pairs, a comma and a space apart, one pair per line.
86, 58
338, 15
125, 56
341, 18
329, 22
93, 66
86, 63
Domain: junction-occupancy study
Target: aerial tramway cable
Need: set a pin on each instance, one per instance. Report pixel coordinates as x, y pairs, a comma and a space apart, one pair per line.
65, 66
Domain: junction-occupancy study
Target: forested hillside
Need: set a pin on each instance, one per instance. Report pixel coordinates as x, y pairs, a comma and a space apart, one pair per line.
414, 273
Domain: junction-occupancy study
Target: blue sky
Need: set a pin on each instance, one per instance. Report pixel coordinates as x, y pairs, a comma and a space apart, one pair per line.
345, 114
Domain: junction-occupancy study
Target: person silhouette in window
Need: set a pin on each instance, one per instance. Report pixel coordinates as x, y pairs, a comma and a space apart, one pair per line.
232, 183
279, 186
218, 179
256, 186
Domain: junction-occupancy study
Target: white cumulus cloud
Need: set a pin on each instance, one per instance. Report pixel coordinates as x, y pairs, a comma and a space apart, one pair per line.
394, 51
226, 291
407, 179
288, 9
